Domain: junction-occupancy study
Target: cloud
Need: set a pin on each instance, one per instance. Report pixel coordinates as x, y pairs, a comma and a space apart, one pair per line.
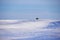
28, 30
25, 25
2, 22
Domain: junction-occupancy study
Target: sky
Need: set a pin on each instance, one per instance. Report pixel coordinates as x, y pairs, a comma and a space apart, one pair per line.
29, 9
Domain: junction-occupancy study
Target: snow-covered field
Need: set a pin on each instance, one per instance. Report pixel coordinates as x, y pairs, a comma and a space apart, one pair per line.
30, 30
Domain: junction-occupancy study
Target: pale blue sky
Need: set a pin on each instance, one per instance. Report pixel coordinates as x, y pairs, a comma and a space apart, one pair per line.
29, 9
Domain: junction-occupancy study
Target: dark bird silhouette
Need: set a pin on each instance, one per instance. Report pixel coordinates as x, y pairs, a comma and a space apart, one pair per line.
37, 18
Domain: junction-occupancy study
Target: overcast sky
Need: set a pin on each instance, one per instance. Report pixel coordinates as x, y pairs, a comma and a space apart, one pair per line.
29, 9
